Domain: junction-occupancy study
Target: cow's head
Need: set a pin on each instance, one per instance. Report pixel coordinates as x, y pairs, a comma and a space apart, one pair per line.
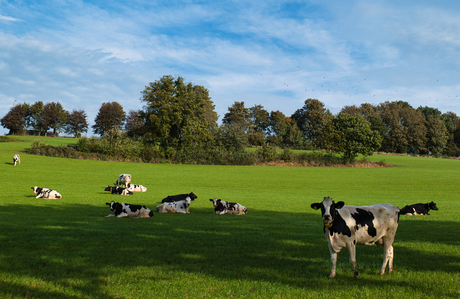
214, 201
113, 205
188, 200
328, 209
108, 188
192, 196
35, 189
432, 206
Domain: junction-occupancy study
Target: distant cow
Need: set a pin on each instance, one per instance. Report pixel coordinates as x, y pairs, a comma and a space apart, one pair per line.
46, 193
346, 226
135, 188
127, 210
224, 207
123, 179
171, 198
16, 159
118, 190
180, 206
418, 209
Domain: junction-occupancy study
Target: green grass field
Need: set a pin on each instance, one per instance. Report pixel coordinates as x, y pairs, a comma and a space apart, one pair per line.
67, 249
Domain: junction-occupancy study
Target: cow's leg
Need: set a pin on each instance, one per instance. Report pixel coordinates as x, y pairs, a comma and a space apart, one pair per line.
387, 256
333, 262
352, 250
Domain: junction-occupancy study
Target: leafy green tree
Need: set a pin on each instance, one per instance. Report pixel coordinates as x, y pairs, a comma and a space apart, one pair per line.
452, 123
260, 118
111, 115
36, 118
351, 135
54, 116
311, 119
178, 114
437, 135
293, 136
76, 123
14, 120
238, 116
278, 127
134, 123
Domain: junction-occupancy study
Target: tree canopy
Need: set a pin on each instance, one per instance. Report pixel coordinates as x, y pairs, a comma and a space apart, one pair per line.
111, 115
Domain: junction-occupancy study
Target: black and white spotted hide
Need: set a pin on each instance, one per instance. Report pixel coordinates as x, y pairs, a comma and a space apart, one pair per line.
121, 210
418, 209
123, 179
16, 160
135, 188
118, 190
171, 198
180, 206
224, 207
46, 193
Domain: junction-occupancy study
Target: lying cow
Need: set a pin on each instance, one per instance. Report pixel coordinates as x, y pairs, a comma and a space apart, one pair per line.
171, 198
135, 188
16, 159
118, 190
180, 206
418, 209
46, 193
123, 179
224, 207
346, 226
127, 210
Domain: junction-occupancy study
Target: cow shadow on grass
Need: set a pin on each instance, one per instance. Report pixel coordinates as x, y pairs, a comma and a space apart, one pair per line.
65, 244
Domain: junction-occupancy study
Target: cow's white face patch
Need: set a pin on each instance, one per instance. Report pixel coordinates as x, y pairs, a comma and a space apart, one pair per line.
327, 213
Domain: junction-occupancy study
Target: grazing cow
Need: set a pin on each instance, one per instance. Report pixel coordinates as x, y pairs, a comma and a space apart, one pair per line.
346, 226
123, 179
46, 193
135, 188
225, 207
171, 198
118, 190
180, 206
418, 209
16, 159
128, 210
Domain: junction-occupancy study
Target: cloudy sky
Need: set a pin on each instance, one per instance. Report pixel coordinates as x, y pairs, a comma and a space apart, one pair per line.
274, 53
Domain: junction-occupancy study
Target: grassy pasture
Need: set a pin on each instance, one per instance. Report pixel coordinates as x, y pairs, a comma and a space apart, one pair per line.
66, 248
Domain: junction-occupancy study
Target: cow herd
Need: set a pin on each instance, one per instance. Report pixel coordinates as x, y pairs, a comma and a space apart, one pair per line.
343, 225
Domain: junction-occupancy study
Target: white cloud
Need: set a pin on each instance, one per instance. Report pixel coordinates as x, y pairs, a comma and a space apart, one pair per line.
9, 19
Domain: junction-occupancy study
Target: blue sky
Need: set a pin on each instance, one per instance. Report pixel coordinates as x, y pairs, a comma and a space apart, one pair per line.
270, 53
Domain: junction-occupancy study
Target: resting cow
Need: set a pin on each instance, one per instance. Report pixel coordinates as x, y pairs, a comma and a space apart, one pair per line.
180, 206
16, 159
135, 188
123, 179
224, 207
346, 226
118, 190
171, 198
46, 193
127, 210
418, 209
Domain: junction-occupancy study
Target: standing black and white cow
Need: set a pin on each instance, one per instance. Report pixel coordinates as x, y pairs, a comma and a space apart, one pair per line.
180, 206
418, 209
46, 193
171, 198
346, 226
127, 210
123, 179
224, 207
16, 159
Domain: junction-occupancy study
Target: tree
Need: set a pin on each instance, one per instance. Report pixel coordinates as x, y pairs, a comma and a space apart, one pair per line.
76, 123
36, 119
110, 116
278, 127
238, 116
54, 116
260, 118
437, 135
14, 120
351, 135
178, 114
293, 136
452, 123
311, 119
134, 123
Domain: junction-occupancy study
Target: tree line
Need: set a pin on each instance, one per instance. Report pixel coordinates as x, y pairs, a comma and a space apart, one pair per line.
178, 117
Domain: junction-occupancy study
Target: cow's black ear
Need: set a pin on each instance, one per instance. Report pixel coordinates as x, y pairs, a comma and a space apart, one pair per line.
339, 205
107, 203
315, 206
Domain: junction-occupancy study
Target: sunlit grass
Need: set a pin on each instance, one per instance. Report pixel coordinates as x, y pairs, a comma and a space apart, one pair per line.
66, 248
